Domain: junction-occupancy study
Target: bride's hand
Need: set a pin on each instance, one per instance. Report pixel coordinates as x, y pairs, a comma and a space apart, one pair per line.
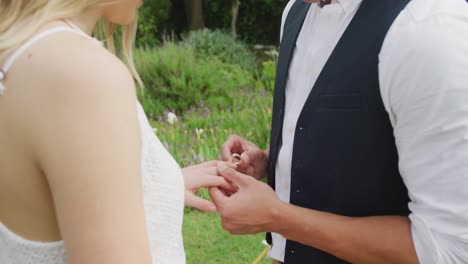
199, 176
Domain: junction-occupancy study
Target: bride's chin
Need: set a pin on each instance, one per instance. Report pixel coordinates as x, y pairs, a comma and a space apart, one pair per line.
125, 20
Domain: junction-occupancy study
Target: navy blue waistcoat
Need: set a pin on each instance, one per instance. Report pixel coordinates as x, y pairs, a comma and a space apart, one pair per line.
344, 155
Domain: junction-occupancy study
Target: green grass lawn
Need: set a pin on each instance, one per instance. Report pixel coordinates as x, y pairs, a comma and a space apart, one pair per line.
206, 242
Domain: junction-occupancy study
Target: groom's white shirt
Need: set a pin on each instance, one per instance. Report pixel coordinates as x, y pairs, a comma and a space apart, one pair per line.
423, 72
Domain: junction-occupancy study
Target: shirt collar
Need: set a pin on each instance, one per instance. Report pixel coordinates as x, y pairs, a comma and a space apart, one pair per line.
349, 5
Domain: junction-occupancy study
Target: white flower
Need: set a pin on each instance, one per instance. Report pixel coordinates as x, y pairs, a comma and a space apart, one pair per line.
199, 131
171, 118
155, 130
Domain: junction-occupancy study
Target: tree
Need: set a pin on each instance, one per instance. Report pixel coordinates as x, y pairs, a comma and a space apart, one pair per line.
235, 13
194, 13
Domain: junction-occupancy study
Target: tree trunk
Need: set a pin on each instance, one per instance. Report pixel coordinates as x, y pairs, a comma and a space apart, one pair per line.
194, 12
235, 14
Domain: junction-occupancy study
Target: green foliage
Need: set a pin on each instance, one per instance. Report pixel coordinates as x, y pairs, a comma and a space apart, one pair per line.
259, 21
221, 45
200, 131
152, 15
197, 137
179, 80
213, 100
268, 71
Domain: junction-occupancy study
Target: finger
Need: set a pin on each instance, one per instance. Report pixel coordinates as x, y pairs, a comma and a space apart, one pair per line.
232, 175
218, 197
200, 203
228, 193
225, 164
211, 163
250, 171
215, 181
212, 170
233, 187
248, 158
252, 155
229, 164
226, 152
232, 145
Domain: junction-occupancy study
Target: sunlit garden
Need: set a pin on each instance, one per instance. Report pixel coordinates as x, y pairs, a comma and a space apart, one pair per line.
194, 103
200, 87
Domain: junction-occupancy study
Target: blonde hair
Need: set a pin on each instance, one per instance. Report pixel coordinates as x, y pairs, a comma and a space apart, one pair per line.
22, 18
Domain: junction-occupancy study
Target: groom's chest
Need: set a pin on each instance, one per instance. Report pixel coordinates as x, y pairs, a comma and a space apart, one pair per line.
316, 41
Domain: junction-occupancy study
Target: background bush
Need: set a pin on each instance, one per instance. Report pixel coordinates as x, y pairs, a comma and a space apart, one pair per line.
221, 45
152, 17
238, 103
176, 79
259, 21
211, 81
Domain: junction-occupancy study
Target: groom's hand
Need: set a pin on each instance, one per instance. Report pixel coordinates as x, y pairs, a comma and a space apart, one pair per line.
252, 209
200, 176
254, 161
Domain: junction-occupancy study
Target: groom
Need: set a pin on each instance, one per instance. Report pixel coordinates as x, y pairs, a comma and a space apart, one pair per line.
369, 142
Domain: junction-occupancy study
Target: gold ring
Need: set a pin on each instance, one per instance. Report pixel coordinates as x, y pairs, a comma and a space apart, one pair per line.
236, 159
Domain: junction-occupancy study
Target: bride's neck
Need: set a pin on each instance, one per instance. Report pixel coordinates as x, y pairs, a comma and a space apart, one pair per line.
87, 21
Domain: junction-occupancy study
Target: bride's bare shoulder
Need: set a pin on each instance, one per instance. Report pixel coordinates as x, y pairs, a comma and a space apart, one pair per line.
71, 63
65, 76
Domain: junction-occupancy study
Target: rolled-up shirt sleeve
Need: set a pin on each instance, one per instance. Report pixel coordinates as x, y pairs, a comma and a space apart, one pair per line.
423, 73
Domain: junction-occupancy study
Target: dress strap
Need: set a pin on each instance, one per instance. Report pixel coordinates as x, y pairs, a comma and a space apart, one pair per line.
17, 53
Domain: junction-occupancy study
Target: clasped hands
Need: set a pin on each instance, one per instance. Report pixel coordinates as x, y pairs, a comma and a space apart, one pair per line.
246, 204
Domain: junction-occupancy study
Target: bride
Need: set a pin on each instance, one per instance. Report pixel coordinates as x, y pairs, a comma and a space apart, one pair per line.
83, 178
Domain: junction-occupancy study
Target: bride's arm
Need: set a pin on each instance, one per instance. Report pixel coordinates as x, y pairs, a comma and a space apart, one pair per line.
87, 140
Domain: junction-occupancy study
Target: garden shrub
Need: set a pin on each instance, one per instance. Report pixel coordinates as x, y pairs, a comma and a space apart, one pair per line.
177, 80
258, 22
221, 45
267, 73
152, 15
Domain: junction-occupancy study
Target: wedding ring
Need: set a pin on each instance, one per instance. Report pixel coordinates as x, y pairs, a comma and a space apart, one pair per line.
236, 159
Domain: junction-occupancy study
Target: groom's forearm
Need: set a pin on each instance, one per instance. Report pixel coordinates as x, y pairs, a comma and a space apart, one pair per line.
379, 239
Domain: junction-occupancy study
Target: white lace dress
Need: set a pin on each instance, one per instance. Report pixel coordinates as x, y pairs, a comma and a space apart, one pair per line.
163, 189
